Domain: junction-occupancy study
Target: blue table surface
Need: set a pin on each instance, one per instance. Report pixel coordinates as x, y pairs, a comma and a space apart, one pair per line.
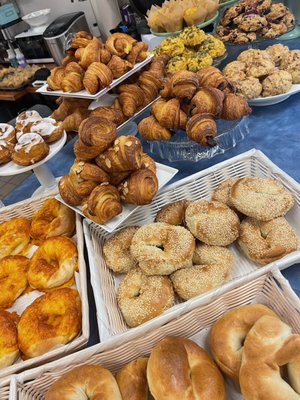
275, 130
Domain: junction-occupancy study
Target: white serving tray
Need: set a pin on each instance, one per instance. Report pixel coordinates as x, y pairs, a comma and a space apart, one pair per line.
164, 174
268, 101
199, 185
84, 94
26, 209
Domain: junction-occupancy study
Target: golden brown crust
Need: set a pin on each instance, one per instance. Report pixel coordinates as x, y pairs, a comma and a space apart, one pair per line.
180, 369
120, 44
98, 132
150, 129
169, 114
138, 52
228, 334
14, 236
52, 219
131, 98
89, 54
118, 66
202, 128
48, 129
9, 350
85, 171
139, 188
7, 133
141, 297
30, 149
132, 380
208, 100
150, 85
81, 39
55, 78
6, 151
61, 308
97, 77
73, 76
68, 191
148, 163
92, 380
105, 54
222, 192
213, 77
173, 213
235, 107
184, 84
85, 153
112, 114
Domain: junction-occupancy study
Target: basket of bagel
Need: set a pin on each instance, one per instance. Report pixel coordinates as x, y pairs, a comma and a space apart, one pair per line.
195, 240
43, 296
235, 346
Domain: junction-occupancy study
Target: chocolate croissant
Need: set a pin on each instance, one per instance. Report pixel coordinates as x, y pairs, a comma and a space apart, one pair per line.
235, 107
97, 77
208, 100
118, 66
150, 129
103, 204
184, 84
98, 132
124, 155
138, 53
213, 77
202, 129
169, 114
139, 188
55, 78
120, 44
112, 114
89, 54
73, 78
131, 98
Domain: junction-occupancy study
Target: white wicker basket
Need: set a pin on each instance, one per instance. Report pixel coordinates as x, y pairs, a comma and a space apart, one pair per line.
26, 209
199, 185
271, 289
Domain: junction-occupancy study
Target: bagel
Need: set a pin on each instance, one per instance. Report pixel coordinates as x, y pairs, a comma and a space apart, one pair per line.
265, 242
141, 297
161, 249
132, 380
180, 369
85, 382
9, 350
14, 236
53, 319
213, 266
53, 264
13, 279
268, 347
259, 198
116, 250
173, 213
228, 334
222, 192
52, 219
212, 222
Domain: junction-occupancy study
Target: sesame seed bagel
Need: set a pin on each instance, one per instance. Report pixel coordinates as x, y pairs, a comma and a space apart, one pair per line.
213, 266
212, 222
9, 350
265, 242
116, 250
141, 297
161, 249
173, 213
259, 198
222, 192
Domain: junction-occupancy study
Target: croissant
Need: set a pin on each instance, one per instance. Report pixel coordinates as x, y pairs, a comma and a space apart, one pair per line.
68, 192
85, 153
72, 80
112, 114
150, 129
235, 107
81, 187
168, 114
89, 54
73, 121
166, 91
213, 77
139, 188
150, 85
68, 106
118, 66
103, 204
184, 84
138, 53
86, 171
157, 66
208, 100
117, 177
55, 78
124, 155
202, 128
148, 163
69, 58
81, 39
105, 54
97, 77
98, 132
120, 44
131, 98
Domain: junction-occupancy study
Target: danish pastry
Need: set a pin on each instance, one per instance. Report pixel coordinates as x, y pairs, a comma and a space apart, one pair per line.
30, 149
52, 219
98, 132
132, 380
116, 250
48, 128
141, 297
173, 213
53, 319
26, 117
9, 350
53, 264
6, 151
7, 133
13, 279
14, 236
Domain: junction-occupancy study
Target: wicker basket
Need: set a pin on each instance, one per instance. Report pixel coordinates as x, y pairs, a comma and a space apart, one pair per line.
270, 288
26, 209
200, 185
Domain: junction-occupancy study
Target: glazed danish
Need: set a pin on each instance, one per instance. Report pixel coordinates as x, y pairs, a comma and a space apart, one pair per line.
30, 149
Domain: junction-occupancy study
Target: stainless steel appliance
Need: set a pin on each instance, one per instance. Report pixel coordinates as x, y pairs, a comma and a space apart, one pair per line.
58, 34
8, 33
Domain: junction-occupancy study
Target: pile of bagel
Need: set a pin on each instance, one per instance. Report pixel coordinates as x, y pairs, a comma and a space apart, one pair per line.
184, 251
249, 344
40, 282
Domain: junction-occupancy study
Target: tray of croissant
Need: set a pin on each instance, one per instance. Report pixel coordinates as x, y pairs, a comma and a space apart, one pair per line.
43, 294
195, 347
193, 241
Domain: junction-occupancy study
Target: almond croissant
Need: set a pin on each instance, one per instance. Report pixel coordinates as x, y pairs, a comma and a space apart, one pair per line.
150, 129
120, 44
208, 100
235, 107
118, 66
202, 129
131, 98
168, 114
139, 188
98, 132
97, 77
68, 192
86, 171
